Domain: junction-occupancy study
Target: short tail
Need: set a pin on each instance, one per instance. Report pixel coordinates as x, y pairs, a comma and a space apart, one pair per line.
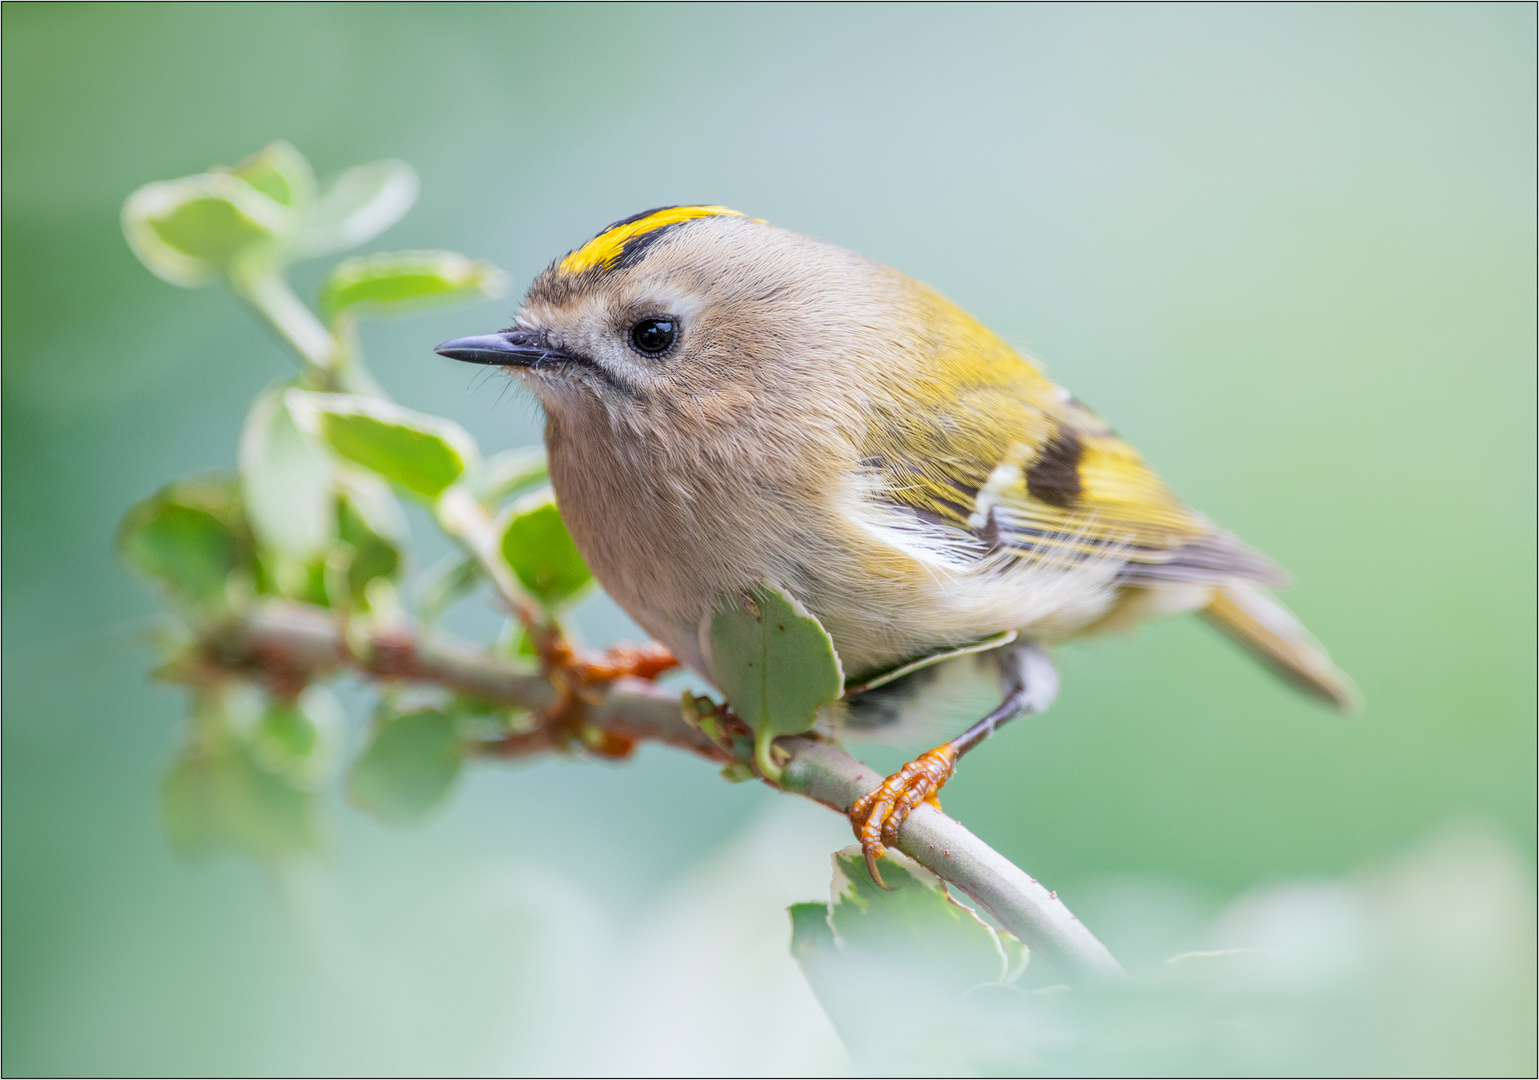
1250, 615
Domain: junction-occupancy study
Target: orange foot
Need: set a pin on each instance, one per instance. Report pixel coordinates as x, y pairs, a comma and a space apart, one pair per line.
880, 813
577, 679
641, 662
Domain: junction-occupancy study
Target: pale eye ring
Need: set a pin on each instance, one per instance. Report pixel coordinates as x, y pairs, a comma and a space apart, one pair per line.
653, 337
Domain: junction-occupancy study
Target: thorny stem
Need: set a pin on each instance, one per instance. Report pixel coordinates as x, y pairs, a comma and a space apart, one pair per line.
284, 640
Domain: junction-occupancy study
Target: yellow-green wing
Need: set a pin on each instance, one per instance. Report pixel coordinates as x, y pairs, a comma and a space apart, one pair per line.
999, 451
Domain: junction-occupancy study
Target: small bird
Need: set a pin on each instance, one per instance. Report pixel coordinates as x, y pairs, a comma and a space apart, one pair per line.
729, 403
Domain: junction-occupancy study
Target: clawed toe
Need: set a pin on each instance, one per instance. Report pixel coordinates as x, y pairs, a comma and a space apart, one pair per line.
878, 816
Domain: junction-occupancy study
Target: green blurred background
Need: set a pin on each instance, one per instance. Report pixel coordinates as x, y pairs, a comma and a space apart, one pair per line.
1287, 251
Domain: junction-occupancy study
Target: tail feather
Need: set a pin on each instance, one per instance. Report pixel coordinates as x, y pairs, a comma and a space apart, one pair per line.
1250, 615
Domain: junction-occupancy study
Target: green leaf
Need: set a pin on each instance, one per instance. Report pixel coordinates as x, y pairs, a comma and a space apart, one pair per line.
285, 735
376, 505
775, 663
394, 283
280, 172
300, 741
736, 773
222, 800
408, 767
514, 640
536, 544
359, 205
914, 937
834, 978
917, 920
188, 549
190, 231
189, 536
508, 472
810, 930
421, 454
446, 583
373, 556
289, 489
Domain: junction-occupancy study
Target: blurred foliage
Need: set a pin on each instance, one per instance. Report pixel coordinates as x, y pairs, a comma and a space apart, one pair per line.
858, 949
1359, 977
408, 765
190, 537
303, 521
1287, 251
244, 781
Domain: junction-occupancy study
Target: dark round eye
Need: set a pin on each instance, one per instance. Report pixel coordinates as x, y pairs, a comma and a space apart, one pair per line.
653, 336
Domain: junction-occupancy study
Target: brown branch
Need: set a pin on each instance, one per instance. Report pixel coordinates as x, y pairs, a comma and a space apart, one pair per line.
302, 641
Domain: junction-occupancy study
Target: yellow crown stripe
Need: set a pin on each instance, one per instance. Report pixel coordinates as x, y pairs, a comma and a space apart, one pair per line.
605, 248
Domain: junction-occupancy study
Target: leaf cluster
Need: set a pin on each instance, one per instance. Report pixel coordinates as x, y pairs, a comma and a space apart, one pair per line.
314, 513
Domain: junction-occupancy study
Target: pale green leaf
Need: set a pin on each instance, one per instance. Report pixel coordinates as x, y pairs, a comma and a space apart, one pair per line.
836, 980
300, 741
289, 488
189, 536
284, 737
914, 919
408, 767
280, 172
421, 454
376, 504
190, 231
222, 800
416, 459
537, 546
359, 205
393, 283
372, 556
915, 937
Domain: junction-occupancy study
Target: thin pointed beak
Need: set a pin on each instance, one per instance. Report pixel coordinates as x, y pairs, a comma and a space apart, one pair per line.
518, 347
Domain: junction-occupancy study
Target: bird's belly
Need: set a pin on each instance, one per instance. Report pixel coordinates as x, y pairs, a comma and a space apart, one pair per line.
669, 555
881, 620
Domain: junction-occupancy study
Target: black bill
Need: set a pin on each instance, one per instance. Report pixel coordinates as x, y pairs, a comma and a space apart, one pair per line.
517, 347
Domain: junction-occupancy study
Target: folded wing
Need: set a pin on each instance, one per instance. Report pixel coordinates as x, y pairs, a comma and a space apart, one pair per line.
1023, 469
